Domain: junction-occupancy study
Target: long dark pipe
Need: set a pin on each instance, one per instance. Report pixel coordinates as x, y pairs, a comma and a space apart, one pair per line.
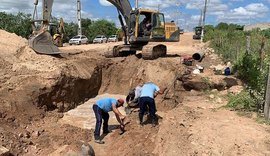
198, 56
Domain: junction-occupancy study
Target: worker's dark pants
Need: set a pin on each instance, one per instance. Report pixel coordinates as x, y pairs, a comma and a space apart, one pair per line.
150, 102
100, 114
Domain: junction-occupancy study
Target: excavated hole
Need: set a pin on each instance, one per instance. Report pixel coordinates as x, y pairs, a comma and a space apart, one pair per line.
70, 92
112, 77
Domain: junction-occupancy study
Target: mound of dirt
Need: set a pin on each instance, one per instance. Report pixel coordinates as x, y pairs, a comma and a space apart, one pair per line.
10, 42
122, 74
32, 85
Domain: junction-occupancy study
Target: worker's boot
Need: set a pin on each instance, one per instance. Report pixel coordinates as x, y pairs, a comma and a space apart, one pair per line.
154, 122
98, 140
106, 131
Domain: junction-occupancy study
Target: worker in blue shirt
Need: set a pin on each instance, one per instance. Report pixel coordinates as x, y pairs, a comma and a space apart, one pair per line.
148, 92
101, 109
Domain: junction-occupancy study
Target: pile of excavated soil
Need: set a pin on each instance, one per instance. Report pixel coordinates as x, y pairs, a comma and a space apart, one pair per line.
34, 90
125, 73
10, 42
25, 73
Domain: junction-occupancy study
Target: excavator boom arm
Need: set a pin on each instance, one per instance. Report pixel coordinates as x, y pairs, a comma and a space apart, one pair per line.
47, 9
124, 7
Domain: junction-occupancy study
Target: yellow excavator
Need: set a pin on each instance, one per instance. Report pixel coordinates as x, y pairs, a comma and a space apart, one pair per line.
57, 30
142, 28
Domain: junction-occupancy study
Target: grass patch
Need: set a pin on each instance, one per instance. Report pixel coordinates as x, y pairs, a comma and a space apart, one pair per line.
241, 102
262, 120
245, 114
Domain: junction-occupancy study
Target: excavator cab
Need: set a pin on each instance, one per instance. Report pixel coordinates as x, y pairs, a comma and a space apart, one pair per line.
158, 30
146, 25
141, 29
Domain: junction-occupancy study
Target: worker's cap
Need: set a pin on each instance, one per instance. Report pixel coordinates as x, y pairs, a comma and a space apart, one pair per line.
121, 101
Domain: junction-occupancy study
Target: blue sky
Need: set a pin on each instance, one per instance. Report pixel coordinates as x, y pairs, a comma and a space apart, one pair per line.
185, 12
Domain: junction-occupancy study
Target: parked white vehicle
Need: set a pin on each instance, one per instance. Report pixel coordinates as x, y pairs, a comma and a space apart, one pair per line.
79, 39
100, 39
113, 38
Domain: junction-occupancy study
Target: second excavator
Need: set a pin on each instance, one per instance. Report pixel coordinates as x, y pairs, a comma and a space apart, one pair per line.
142, 28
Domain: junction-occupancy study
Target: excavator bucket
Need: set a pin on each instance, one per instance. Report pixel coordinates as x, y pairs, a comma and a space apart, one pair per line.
43, 44
175, 36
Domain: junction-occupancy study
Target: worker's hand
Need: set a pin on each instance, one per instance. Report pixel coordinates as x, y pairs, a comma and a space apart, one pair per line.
122, 126
122, 117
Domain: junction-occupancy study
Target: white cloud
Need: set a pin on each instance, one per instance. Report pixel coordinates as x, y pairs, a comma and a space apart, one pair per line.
105, 3
15, 6
257, 7
161, 4
61, 8
247, 13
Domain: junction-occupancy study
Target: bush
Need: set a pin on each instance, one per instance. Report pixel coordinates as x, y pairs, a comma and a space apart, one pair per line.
18, 24
251, 65
242, 102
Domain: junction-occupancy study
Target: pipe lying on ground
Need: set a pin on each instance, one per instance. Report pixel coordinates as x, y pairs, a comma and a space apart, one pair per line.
198, 56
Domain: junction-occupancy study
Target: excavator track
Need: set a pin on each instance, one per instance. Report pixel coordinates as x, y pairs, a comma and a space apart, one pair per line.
111, 52
150, 51
153, 51
119, 51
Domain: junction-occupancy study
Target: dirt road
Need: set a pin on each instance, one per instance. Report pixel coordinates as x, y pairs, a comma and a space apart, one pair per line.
38, 91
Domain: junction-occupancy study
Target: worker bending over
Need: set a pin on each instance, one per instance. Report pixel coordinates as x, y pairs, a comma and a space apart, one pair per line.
148, 92
101, 109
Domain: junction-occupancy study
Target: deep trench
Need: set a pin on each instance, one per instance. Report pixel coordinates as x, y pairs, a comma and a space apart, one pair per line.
70, 92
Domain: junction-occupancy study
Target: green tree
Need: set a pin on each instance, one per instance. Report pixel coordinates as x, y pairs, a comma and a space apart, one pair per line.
19, 24
222, 26
101, 27
209, 28
70, 30
86, 23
